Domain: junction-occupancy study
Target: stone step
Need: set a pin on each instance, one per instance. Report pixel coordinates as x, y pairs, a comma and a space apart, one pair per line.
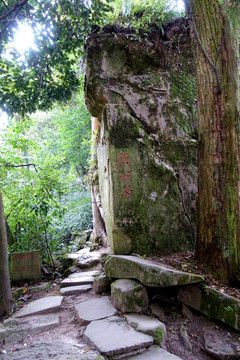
113, 336
148, 325
79, 289
44, 305
92, 273
154, 353
94, 309
147, 272
82, 280
15, 328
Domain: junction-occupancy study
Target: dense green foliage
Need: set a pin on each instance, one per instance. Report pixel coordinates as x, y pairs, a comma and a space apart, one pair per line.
142, 15
48, 74
45, 194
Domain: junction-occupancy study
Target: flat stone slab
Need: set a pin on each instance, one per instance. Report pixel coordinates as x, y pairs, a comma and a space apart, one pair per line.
95, 309
13, 328
53, 350
82, 280
41, 306
154, 353
148, 325
113, 336
79, 289
92, 273
147, 272
219, 348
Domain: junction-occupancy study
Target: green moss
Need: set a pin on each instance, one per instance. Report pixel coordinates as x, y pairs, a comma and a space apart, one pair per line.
158, 336
221, 307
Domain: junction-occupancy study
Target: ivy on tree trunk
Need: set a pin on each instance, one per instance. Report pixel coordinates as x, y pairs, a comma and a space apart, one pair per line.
216, 33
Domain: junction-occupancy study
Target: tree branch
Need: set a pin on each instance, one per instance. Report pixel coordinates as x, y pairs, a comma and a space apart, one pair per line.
2, 1
18, 6
18, 166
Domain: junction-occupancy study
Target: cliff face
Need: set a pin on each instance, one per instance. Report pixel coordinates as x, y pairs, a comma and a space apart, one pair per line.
143, 93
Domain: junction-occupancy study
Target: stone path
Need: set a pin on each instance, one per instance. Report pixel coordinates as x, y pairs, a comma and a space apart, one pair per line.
105, 331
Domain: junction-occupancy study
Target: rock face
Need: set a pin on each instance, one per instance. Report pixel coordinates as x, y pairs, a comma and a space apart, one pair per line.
146, 152
147, 272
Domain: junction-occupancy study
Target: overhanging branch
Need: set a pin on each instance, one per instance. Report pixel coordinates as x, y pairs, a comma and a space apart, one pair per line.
17, 7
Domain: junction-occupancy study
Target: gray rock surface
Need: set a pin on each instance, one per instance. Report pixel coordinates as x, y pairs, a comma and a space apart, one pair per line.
129, 295
114, 336
85, 258
91, 273
158, 311
70, 270
154, 353
145, 114
52, 350
147, 272
148, 325
183, 336
101, 284
70, 290
186, 312
212, 303
86, 263
226, 349
44, 305
82, 280
95, 309
16, 328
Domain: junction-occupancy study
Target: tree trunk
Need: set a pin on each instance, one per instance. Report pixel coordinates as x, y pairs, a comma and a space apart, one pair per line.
10, 238
6, 303
216, 51
99, 229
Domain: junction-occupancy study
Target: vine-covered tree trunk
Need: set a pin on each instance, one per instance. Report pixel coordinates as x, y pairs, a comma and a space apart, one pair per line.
6, 303
216, 33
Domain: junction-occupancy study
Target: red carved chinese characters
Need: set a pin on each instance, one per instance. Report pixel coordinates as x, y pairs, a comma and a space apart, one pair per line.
126, 179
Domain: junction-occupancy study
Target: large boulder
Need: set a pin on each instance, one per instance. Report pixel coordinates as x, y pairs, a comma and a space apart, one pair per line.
146, 154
